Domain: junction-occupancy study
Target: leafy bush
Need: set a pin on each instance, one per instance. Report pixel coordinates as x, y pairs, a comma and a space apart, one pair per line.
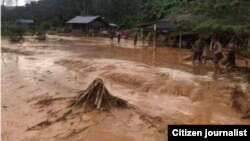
46, 26
13, 29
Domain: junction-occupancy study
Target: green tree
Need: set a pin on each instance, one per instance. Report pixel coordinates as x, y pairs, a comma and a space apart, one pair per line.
212, 17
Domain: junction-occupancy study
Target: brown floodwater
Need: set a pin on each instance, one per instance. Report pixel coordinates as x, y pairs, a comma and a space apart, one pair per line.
158, 83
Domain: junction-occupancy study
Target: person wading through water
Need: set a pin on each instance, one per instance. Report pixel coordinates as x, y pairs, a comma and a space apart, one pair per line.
205, 53
217, 50
119, 37
198, 50
230, 57
149, 38
135, 38
111, 36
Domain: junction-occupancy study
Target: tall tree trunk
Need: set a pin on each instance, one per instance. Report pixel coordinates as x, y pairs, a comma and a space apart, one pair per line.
248, 44
84, 7
180, 41
96, 7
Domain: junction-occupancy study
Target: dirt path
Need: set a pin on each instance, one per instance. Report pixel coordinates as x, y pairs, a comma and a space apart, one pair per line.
39, 78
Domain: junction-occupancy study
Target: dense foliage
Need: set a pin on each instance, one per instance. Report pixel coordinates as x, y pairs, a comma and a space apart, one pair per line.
13, 29
205, 17
59, 11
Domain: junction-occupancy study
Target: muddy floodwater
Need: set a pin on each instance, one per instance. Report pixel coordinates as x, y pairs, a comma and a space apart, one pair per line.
39, 79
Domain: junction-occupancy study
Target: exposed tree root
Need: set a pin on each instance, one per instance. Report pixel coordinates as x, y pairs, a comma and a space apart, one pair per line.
246, 115
236, 97
48, 101
240, 102
40, 125
66, 134
96, 96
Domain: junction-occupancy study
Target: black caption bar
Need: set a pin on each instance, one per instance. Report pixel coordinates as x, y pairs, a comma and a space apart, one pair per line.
208, 132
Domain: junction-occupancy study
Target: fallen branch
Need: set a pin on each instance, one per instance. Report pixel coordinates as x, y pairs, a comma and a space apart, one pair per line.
40, 125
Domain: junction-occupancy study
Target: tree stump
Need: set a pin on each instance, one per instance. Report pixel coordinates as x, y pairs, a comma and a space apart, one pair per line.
97, 96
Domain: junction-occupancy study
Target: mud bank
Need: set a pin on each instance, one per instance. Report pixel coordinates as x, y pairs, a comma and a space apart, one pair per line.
40, 78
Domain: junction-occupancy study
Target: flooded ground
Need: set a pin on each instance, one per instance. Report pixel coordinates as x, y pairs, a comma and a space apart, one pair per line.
162, 88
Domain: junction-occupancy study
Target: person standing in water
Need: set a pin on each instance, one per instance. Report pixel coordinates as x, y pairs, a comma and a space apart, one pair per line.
198, 50
111, 36
126, 35
149, 38
205, 53
135, 38
143, 38
119, 37
230, 57
217, 50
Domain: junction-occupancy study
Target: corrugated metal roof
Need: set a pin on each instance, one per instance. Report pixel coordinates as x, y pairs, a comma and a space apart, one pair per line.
113, 25
160, 25
25, 21
82, 19
109, 22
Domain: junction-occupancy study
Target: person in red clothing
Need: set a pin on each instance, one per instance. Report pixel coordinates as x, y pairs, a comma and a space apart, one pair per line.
126, 35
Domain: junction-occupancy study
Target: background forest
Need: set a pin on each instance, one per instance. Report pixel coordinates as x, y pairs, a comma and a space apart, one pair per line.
205, 17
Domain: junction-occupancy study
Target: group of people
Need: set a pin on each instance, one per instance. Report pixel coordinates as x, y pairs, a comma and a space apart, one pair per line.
119, 36
136, 35
201, 49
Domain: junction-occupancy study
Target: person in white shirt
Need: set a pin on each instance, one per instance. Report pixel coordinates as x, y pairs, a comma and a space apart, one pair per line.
217, 49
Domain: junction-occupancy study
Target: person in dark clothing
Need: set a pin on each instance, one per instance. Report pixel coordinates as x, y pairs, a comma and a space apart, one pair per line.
230, 60
143, 38
135, 38
119, 37
198, 50
111, 36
